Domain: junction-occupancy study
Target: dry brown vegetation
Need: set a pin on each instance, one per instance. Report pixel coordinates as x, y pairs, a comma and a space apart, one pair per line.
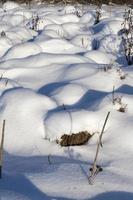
97, 2
75, 139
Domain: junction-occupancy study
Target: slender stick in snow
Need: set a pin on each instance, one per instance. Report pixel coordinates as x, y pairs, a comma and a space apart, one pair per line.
95, 168
113, 95
49, 160
1, 147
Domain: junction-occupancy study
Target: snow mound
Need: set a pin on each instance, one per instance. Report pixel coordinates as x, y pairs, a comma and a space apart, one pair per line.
87, 18
67, 122
27, 14
5, 44
9, 5
68, 94
69, 9
14, 19
59, 46
44, 59
100, 57
73, 29
4, 26
83, 40
113, 27
22, 51
7, 84
14, 37
26, 125
42, 23
111, 44
56, 28
23, 32
62, 19
48, 34
107, 27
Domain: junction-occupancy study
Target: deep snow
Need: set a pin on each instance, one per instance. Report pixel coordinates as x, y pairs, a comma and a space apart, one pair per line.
64, 63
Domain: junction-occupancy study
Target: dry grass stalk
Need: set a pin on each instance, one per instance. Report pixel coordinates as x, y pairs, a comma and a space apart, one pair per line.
108, 67
49, 160
64, 108
122, 108
1, 147
6, 82
117, 99
98, 14
121, 74
113, 95
122, 77
95, 168
1, 77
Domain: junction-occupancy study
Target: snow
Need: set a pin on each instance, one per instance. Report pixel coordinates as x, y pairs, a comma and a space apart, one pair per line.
87, 18
31, 105
60, 46
100, 57
9, 5
5, 44
111, 44
71, 122
22, 50
58, 79
83, 41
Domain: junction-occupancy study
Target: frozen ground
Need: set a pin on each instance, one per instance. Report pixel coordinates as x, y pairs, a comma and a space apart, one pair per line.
62, 63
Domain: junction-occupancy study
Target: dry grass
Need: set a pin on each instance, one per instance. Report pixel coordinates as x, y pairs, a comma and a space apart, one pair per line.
75, 139
96, 2
122, 108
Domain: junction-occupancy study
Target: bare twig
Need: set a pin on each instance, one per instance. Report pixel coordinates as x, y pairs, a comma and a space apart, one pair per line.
49, 160
95, 167
113, 95
1, 77
1, 147
64, 108
6, 82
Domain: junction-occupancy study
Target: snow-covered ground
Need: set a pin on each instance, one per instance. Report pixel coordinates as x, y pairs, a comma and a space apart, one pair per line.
64, 63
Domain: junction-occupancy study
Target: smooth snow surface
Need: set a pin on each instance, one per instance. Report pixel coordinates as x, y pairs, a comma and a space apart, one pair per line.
57, 77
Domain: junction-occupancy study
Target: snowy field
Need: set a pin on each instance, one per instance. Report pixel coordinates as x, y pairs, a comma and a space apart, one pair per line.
57, 77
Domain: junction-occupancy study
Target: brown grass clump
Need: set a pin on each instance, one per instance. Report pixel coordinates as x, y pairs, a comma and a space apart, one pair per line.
122, 109
75, 139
